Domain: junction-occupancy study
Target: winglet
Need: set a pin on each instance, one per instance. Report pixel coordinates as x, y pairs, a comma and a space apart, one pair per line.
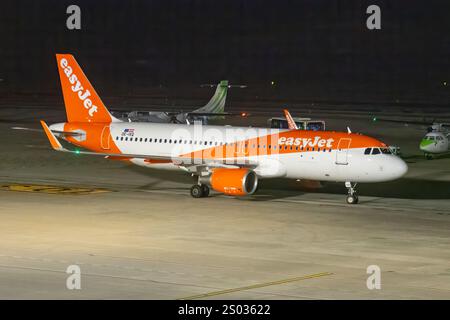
51, 137
291, 123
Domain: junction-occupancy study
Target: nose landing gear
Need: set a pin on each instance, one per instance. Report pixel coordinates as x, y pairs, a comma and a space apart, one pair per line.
352, 197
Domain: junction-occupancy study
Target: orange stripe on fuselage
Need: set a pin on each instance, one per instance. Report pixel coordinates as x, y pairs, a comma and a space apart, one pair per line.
284, 142
292, 141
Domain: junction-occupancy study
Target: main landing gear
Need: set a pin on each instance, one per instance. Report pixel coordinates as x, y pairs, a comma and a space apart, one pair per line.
199, 191
352, 197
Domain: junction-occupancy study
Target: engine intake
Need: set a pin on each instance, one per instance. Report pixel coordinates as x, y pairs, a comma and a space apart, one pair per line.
236, 182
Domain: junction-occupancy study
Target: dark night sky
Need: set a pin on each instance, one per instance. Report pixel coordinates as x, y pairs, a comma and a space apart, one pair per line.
310, 48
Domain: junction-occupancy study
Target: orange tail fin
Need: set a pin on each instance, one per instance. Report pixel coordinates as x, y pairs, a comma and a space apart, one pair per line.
82, 102
291, 123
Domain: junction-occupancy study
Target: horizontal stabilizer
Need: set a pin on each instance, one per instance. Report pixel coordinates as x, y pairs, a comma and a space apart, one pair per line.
51, 137
64, 133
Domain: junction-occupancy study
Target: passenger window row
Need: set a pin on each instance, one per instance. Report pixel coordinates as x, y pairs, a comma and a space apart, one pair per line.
174, 141
216, 143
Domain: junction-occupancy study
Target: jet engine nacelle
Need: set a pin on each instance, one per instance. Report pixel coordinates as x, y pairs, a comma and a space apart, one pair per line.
233, 182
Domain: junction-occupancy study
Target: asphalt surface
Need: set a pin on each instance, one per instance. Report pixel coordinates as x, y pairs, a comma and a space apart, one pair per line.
137, 234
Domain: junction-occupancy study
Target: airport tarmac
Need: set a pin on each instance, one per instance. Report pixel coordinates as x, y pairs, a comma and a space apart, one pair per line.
137, 234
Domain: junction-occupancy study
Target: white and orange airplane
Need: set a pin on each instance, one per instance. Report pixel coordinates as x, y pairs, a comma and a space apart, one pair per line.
227, 159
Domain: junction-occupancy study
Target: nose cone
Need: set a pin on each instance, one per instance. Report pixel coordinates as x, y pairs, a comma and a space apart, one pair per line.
399, 168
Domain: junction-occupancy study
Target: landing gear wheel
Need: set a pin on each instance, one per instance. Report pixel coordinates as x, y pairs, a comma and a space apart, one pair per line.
205, 190
196, 191
428, 156
352, 199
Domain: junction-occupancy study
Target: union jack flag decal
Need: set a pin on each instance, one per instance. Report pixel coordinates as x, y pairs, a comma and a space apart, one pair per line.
128, 132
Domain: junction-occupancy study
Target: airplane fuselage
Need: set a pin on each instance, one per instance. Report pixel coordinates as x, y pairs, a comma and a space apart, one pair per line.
226, 159
298, 154
435, 143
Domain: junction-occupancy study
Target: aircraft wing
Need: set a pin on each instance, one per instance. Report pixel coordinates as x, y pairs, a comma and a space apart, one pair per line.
211, 114
206, 114
65, 133
418, 122
432, 125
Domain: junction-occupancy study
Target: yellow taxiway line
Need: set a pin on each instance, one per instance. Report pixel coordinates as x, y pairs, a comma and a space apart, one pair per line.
50, 189
258, 285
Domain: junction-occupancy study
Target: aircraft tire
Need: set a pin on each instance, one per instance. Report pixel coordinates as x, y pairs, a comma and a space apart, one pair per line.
352, 199
196, 191
205, 190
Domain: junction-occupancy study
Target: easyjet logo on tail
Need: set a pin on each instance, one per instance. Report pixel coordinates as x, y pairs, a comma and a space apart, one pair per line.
76, 87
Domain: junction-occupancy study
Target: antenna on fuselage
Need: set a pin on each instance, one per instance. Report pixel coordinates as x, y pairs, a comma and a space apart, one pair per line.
348, 130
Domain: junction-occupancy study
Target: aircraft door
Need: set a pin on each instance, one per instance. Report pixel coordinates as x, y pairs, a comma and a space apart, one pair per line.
342, 151
104, 141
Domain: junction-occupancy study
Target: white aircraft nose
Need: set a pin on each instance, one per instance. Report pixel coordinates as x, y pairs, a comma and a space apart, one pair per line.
400, 168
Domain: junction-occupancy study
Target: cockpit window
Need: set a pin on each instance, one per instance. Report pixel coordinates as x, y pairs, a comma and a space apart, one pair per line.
429, 138
367, 151
385, 151
375, 151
